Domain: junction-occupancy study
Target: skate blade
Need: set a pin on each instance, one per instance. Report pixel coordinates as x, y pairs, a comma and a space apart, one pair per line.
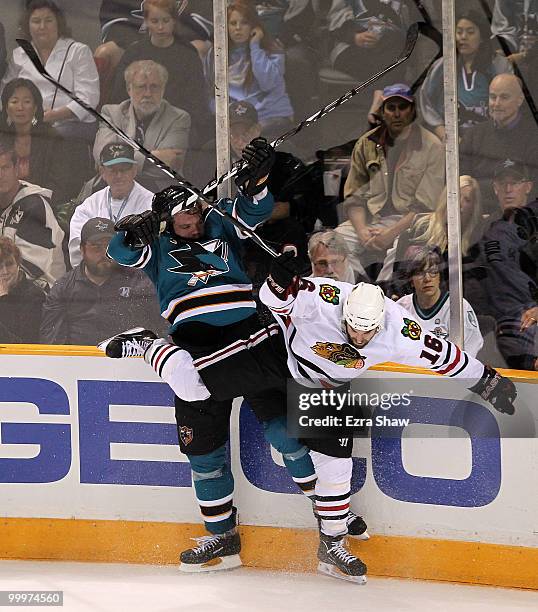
215, 565
360, 536
104, 343
334, 572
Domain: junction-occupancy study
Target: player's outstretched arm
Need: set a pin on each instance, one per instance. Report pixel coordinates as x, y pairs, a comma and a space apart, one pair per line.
423, 348
131, 246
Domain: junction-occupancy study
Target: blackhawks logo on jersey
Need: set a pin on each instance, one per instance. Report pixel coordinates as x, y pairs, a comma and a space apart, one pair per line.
340, 354
330, 293
411, 330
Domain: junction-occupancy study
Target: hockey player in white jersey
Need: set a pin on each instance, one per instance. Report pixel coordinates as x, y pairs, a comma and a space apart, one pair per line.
334, 332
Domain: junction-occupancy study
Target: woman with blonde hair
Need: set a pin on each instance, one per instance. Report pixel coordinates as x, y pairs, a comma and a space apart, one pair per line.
431, 230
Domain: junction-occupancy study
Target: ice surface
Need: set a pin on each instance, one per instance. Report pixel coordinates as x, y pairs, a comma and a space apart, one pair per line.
146, 588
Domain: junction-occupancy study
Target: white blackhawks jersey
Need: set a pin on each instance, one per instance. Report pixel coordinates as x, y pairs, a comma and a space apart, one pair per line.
319, 350
437, 320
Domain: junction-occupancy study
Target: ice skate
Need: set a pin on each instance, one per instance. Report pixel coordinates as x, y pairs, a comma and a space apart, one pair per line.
336, 561
131, 343
356, 526
213, 553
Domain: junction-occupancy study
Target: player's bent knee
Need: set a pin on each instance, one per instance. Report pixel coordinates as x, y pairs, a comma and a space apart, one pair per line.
209, 465
276, 434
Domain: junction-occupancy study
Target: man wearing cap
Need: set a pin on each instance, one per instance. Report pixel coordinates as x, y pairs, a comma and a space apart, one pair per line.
151, 120
122, 196
397, 170
511, 256
97, 296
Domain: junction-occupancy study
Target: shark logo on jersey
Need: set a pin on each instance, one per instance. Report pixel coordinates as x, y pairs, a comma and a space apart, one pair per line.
411, 330
340, 354
200, 260
329, 293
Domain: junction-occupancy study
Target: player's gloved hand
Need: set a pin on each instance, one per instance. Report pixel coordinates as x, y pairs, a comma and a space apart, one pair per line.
259, 156
284, 275
173, 199
140, 230
498, 390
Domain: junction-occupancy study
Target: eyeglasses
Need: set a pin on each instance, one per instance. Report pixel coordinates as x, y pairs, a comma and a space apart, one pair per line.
429, 271
323, 264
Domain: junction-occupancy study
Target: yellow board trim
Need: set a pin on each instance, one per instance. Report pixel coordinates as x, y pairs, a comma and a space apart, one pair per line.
268, 547
66, 350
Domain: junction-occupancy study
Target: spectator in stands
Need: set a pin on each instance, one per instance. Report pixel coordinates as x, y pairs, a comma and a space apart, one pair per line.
510, 133
511, 254
27, 218
328, 254
151, 121
429, 304
186, 87
430, 231
121, 197
3, 52
43, 156
69, 61
477, 64
122, 23
97, 297
517, 22
21, 299
256, 67
367, 36
283, 227
397, 170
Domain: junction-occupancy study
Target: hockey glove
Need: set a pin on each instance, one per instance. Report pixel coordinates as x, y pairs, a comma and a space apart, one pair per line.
173, 199
140, 230
284, 276
499, 391
259, 156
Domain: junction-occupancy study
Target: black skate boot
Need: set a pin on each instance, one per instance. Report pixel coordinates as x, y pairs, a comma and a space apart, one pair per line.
213, 553
356, 526
130, 343
337, 562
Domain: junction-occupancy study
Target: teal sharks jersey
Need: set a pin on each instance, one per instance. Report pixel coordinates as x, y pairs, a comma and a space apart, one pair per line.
201, 280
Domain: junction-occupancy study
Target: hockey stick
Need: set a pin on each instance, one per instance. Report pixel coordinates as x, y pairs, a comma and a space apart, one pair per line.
34, 58
411, 39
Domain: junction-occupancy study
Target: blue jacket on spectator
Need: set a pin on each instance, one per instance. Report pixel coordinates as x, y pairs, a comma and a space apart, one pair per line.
267, 92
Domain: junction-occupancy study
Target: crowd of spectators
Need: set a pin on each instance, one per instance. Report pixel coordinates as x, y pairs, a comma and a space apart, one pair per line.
65, 179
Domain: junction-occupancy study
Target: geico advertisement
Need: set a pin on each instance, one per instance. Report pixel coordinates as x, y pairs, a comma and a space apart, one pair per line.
88, 439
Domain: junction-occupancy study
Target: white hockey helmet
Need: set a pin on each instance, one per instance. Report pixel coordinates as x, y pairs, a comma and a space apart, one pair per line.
364, 308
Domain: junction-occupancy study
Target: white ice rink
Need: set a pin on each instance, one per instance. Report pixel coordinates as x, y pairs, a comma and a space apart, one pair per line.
132, 588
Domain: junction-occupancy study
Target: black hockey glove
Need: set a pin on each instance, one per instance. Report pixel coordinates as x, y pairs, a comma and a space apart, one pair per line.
141, 229
260, 157
285, 275
173, 199
499, 391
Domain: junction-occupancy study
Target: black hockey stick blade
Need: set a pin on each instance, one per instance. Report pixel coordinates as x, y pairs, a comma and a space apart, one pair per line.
410, 42
28, 48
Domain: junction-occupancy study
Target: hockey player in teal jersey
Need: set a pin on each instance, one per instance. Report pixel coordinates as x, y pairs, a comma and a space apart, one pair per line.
206, 296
